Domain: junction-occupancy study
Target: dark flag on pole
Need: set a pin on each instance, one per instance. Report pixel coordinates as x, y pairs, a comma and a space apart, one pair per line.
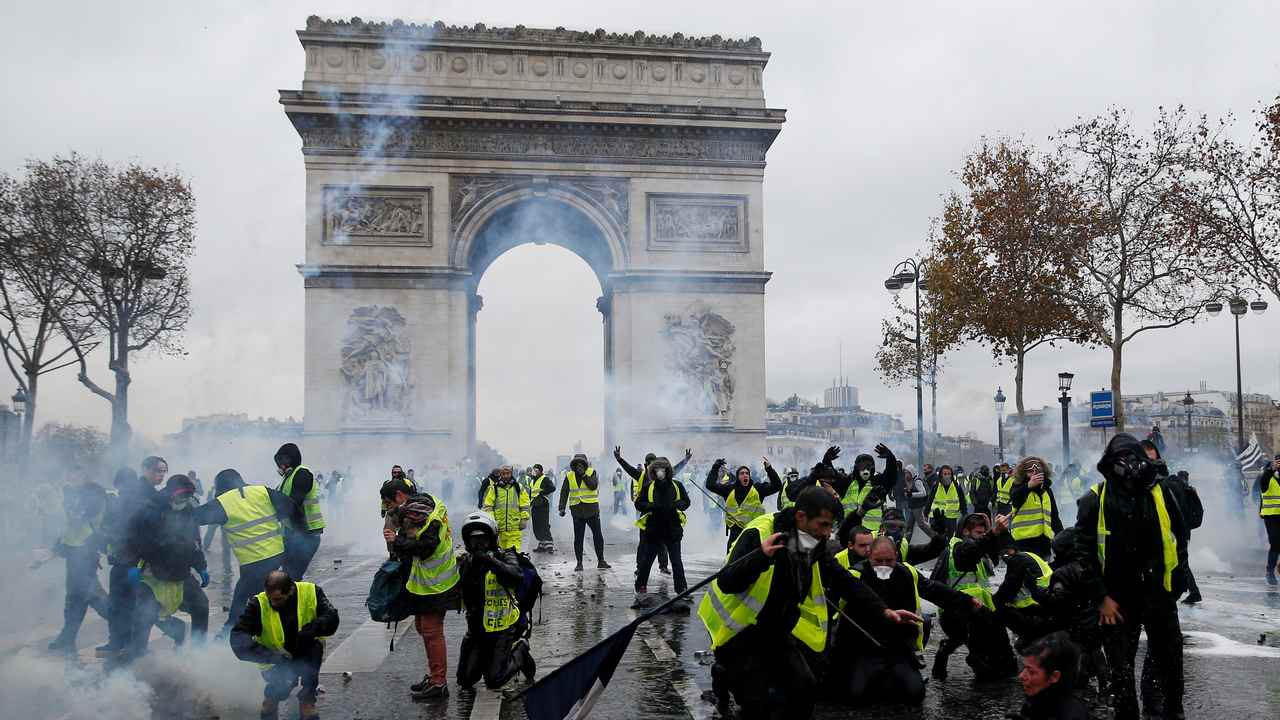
571, 690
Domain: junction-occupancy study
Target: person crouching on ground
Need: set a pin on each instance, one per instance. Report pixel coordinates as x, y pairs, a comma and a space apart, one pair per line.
494, 647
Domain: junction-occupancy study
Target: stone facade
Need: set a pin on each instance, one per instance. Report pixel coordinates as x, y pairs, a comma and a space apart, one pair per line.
431, 150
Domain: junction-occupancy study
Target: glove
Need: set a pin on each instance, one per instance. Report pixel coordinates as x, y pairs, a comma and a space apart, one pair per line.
719, 463
204, 578
831, 454
134, 576
883, 452
938, 522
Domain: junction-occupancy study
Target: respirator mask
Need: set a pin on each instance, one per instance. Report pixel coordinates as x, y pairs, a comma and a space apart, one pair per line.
883, 571
864, 474
805, 541
660, 474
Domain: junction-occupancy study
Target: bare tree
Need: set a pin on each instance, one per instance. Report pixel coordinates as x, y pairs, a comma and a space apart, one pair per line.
1144, 269
129, 233
1233, 199
34, 295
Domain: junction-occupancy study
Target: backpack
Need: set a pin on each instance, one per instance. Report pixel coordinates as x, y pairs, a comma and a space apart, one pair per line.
387, 601
1194, 510
530, 586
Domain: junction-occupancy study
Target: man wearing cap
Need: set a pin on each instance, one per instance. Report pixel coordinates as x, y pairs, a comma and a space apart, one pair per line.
580, 492
301, 540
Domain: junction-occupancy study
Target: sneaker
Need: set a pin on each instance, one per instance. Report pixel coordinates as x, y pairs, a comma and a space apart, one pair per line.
1271, 578
420, 686
603, 565
62, 644
527, 666
432, 692
108, 650
578, 567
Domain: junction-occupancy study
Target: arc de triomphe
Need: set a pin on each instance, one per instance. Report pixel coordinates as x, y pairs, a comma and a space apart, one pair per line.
430, 150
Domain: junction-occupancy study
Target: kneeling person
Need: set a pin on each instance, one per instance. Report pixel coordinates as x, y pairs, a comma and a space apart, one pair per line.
494, 646
282, 629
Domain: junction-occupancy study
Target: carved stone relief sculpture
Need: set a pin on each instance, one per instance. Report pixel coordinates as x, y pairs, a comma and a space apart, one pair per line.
375, 367
377, 216
700, 351
698, 223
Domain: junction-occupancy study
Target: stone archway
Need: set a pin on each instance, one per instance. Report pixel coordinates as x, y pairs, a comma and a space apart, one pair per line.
425, 146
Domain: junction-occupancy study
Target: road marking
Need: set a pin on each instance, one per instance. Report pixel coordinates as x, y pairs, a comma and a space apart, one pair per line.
683, 684
488, 704
365, 649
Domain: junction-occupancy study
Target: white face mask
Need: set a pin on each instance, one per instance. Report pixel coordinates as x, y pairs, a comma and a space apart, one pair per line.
865, 474
806, 541
660, 474
883, 571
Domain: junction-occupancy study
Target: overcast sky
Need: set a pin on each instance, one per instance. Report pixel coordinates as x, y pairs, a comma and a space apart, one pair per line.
883, 103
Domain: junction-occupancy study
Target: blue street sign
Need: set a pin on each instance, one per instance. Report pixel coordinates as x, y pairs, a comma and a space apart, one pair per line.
1102, 409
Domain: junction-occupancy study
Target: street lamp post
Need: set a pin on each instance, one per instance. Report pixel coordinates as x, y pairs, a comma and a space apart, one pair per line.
907, 273
1188, 402
1064, 385
1000, 398
1239, 306
20, 400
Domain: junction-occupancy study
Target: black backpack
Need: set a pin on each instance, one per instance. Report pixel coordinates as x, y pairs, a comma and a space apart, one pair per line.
530, 587
387, 601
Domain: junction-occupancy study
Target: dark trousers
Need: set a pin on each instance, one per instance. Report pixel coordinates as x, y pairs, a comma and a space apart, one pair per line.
734, 531
1272, 523
769, 681
252, 579
884, 679
648, 551
83, 592
1162, 681
493, 656
989, 656
541, 513
196, 604
580, 526
299, 548
119, 607
1029, 623
281, 679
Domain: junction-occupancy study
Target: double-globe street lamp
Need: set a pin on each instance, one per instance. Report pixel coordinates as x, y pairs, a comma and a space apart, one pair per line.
906, 273
1239, 306
1000, 398
1064, 386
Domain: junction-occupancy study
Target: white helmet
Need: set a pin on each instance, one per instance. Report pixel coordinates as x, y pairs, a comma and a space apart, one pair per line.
479, 521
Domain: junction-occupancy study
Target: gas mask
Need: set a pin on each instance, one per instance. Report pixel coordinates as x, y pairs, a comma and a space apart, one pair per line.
883, 571
1131, 469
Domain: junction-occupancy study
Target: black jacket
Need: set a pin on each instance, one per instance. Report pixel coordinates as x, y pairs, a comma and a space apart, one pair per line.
670, 497
133, 499
1134, 545
165, 540
770, 486
505, 567
1022, 571
968, 554
1053, 703
250, 624
839, 480
791, 582
84, 503
897, 593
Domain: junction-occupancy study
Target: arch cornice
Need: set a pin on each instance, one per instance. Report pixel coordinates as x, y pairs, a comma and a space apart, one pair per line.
475, 199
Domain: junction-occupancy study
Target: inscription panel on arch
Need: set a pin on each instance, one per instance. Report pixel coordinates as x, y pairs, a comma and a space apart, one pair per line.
678, 222
377, 216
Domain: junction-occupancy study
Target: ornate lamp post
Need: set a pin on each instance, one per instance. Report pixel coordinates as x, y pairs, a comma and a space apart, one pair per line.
906, 273
20, 400
1188, 402
1000, 398
1239, 306
1064, 386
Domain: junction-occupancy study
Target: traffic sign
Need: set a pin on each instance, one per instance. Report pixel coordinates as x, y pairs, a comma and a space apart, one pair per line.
1102, 409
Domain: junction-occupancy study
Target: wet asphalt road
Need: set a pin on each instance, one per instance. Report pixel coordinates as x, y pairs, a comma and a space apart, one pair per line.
1228, 673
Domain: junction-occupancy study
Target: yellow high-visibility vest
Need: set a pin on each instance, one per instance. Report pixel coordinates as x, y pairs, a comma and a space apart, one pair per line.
580, 493
252, 529
272, 636
947, 499
310, 503
437, 572
1270, 499
853, 499
1169, 544
1035, 518
500, 608
741, 515
974, 583
642, 522
1023, 598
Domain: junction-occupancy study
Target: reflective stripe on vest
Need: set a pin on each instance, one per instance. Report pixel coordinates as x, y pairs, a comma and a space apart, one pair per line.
310, 504
509, 505
1023, 598
785, 502
636, 484
643, 521
252, 529
1035, 518
1169, 554
272, 636
947, 499
1003, 490
438, 572
579, 494
168, 593
853, 499
500, 609
1271, 499
77, 535
974, 583
740, 516
727, 614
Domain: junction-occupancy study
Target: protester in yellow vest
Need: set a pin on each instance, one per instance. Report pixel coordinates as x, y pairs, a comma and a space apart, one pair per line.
282, 629
1004, 486
253, 519
417, 531
496, 645
661, 506
508, 503
769, 611
541, 488
1035, 509
967, 566
637, 475
1022, 598
949, 497
1131, 543
84, 503
580, 493
1268, 492
302, 539
866, 673
743, 496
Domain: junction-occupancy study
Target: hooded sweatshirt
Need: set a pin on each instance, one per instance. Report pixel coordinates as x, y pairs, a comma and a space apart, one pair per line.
670, 498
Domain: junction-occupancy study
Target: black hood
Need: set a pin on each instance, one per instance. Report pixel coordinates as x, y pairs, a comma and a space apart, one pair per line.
660, 462
226, 480
866, 459
1121, 443
289, 455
